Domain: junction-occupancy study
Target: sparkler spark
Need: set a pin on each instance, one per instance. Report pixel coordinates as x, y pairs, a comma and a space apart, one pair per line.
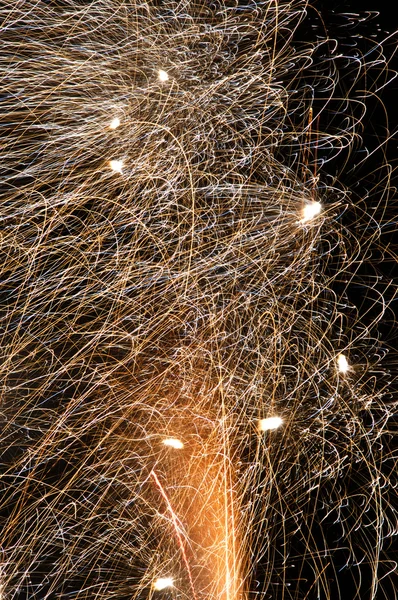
162, 583
116, 165
173, 443
163, 75
342, 363
310, 211
149, 323
270, 423
114, 123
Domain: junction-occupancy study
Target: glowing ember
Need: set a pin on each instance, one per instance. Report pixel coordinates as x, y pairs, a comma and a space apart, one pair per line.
270, 423
163, 76
162, 583
342, 363
116, 165
173, 443
114, 123
311, 210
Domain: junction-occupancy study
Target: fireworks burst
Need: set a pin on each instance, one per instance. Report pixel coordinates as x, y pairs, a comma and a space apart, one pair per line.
188, 393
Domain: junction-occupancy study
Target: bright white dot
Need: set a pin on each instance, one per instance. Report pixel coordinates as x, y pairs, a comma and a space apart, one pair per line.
162, 583
173, 443
163, 76
114, 123
270, 423
342, 363
116, 165
311, 210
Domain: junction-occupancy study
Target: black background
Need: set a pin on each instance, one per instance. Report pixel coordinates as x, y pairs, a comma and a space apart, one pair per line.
379, 123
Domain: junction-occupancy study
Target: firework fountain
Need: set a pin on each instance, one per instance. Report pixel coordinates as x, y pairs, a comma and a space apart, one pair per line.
186, 387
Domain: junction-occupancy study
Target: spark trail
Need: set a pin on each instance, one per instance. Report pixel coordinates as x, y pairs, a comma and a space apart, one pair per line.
177, 527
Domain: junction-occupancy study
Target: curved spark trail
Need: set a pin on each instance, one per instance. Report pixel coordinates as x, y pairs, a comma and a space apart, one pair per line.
177, 527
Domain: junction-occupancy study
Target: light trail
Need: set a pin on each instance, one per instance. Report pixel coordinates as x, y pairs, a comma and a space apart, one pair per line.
177, 527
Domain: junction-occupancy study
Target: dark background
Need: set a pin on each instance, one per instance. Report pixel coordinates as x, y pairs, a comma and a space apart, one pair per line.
366, 180
345, 540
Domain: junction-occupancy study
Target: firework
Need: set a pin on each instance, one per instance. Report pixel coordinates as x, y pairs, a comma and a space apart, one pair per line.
187, 389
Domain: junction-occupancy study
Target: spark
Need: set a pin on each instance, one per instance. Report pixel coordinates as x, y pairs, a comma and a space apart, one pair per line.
163, 76
173, 443
162, 583
310, 211
270, 423
342, 363
177, 528
114, 123
116, 165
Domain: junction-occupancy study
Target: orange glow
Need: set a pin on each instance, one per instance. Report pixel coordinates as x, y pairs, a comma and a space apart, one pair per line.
200, 499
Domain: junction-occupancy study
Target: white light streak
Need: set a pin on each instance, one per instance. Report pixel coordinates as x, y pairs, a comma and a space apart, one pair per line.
310, 211
116, 165
163, 76
162, 583
342, 363
173, 443
114, 123
270, 423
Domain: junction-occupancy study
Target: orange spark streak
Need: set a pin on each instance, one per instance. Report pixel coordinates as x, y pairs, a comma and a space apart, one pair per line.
177, 530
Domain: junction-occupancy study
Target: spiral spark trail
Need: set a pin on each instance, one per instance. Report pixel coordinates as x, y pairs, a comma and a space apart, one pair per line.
194, 403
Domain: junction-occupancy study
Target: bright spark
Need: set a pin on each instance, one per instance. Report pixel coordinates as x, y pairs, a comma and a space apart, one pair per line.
163, 76
116, 165
162, 583
173, 443
114, 123
342, 363
310, 211
270, 423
